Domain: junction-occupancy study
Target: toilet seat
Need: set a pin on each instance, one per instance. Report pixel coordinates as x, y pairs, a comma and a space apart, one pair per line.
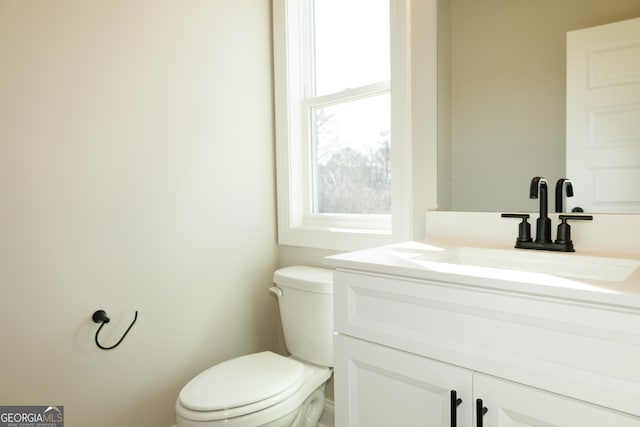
314, 377
242, 385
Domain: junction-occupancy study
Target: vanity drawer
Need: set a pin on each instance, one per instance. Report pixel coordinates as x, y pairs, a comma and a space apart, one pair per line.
571, 347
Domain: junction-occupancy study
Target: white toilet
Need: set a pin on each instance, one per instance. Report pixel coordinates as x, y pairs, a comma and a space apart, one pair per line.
266, 389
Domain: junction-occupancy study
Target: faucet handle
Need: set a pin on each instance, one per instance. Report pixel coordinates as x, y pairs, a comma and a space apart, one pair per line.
524, 228
573, 217
515, 215
563, 236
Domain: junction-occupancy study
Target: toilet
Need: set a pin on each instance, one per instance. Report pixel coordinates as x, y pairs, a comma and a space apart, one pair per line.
267, 389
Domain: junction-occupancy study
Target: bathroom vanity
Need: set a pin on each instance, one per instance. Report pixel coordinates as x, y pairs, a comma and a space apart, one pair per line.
440, 335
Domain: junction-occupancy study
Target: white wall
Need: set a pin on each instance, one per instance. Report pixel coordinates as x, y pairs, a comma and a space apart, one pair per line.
136, 173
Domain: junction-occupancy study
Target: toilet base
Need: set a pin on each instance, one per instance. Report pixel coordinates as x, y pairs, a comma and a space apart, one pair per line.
309, 412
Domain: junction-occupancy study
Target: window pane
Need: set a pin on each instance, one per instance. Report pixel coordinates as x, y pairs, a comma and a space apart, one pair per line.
352, 154
351, 44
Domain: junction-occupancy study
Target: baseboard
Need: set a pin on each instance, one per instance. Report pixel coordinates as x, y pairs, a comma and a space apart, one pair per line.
327, 418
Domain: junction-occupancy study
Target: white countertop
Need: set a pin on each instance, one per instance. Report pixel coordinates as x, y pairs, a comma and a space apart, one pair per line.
406, 260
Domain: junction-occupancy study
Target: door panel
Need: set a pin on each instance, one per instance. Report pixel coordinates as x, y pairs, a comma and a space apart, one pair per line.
376, 386
603, 117
513, 405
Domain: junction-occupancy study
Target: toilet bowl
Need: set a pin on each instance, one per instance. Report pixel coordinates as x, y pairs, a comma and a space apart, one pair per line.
295, 393
267, 389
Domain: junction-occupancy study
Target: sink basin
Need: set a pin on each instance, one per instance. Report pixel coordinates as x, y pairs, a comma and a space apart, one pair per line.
550, 263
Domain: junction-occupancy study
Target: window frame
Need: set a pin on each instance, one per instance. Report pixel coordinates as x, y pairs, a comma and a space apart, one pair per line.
330, 231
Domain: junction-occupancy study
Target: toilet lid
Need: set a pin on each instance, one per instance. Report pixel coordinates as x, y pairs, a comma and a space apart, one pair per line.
241, 381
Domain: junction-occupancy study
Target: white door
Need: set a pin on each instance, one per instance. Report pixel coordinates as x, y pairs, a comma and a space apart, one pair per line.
603, 117
513, 405
376, 386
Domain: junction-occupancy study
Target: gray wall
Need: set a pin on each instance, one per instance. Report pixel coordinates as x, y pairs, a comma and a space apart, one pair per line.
136, 173
505, 95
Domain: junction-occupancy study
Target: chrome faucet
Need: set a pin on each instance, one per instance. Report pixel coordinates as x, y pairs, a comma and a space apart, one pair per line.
539, 190
566, 185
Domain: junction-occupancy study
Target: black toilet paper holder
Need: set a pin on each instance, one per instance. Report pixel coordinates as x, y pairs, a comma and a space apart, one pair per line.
101, 317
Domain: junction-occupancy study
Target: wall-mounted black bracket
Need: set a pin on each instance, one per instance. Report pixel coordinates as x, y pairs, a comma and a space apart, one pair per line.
101, 317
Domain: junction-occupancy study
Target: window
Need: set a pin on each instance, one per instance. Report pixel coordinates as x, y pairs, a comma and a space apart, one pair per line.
342, 123
346, 99
351, 161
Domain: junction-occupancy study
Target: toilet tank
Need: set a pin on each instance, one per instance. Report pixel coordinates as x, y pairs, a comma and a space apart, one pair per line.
305, 297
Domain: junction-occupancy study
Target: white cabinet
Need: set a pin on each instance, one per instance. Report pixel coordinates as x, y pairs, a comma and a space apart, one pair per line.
509, 404
376, 386
404, 345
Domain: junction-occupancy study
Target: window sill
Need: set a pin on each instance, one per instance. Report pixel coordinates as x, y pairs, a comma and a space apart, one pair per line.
343, 239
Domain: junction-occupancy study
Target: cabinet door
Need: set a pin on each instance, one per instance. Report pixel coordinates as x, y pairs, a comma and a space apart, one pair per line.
376, 386
513, 405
